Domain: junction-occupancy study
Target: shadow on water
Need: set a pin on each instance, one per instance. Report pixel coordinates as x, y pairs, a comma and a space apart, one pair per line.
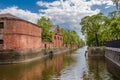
37, 70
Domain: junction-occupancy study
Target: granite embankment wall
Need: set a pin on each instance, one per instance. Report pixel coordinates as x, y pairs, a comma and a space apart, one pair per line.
16, 56
113, 68
112, 55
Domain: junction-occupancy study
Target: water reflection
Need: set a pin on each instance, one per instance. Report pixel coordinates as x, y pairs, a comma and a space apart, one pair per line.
85, 68
98, 69
37, 70
62, 67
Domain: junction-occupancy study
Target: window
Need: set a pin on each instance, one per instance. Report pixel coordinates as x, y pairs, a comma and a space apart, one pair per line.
61, 38
45, 46
1, 25
57, 30
1, 41
54, 37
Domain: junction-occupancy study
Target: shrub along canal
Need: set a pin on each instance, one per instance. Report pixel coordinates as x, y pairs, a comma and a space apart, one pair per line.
68, 66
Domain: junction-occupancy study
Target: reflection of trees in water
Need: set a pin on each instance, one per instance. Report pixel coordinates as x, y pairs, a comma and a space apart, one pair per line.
97, 69
36, 70
52, 67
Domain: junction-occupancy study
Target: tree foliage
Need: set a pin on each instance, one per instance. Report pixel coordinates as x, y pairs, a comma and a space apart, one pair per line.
90, 27
98, 28
70, 37
117, 3
46, 25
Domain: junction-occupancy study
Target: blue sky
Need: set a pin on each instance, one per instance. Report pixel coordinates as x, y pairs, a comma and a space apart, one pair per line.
66, 13
23, 4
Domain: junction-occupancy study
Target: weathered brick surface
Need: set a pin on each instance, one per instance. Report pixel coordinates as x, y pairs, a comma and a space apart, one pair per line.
22, 40
57, 38
21, 35
48, 44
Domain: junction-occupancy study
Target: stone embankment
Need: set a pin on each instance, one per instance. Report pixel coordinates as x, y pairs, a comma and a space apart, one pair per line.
96, 52
16, 56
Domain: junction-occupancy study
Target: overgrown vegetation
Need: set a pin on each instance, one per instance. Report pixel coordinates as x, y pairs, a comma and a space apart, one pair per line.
46, 25
98, 28
69, 37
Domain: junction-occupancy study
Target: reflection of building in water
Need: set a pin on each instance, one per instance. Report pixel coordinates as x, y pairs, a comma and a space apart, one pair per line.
44, 70
38, 70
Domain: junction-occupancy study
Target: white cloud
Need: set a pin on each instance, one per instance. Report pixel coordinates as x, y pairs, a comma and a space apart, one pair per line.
68, 13
101, 2
24, 14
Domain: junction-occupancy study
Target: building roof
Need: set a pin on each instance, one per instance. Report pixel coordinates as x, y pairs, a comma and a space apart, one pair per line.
56, 30
10, 16
53, 28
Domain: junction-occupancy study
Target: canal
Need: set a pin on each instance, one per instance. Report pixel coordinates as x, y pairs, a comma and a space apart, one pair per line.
68, 66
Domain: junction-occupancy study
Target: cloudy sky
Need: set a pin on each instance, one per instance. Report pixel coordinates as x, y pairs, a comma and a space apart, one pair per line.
65, 13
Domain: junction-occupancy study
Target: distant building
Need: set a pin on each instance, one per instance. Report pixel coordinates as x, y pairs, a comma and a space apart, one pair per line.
18, 34
57, 37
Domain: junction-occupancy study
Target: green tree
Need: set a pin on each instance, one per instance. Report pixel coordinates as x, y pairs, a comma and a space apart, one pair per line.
115, 28
90, 27
65, 37
71, 37
46, 25
116, 2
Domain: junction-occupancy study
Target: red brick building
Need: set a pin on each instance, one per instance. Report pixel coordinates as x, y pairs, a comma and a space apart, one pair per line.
18, 34
21, 41
57, 37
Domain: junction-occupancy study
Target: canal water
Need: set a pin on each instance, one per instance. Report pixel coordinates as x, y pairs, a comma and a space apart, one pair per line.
68, 66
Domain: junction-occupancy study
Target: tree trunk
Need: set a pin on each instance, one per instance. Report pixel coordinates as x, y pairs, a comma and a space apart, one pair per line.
97, 42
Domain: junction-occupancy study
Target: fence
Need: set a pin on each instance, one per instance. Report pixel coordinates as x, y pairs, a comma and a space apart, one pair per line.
113, 43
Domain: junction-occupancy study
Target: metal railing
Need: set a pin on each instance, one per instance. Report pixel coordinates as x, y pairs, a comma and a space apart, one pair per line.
113, 43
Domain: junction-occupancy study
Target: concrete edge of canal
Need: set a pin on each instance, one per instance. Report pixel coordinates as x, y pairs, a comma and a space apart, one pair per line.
13, 56
96, 52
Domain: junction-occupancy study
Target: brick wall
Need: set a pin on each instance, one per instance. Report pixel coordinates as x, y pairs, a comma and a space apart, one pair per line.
57, 38
48, 45
21, 35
